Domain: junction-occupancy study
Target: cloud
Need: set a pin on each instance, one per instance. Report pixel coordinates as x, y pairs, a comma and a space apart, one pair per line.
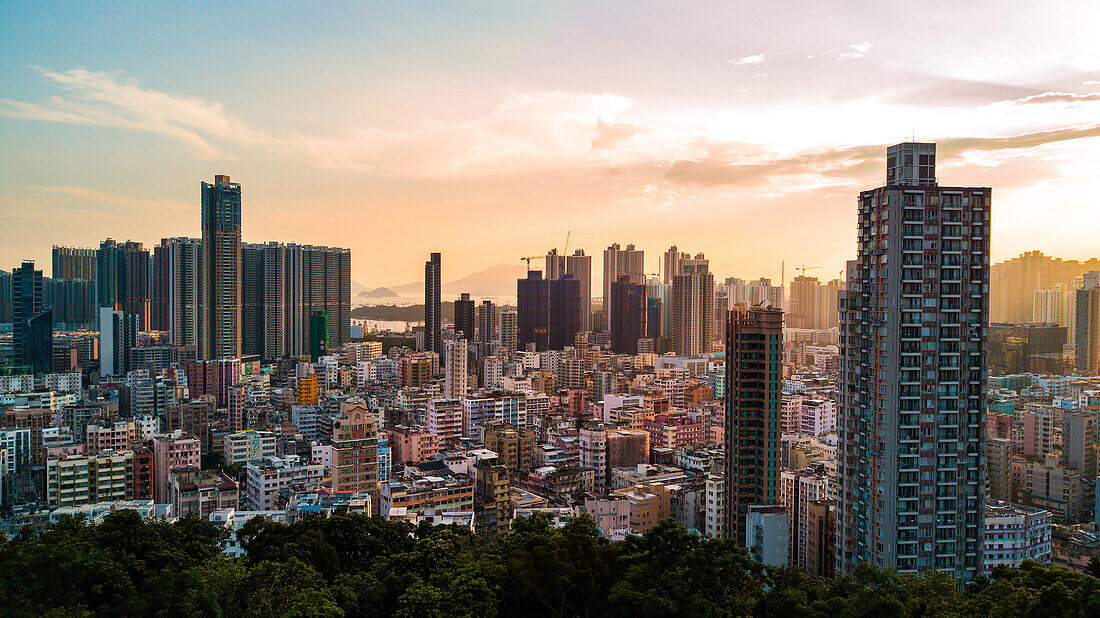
851, 52
1056, 97
112, 100
937, 90
817, 168
748, 60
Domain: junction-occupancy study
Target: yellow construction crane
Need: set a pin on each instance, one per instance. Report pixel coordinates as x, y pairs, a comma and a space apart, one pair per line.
533, 257
804, 268
566, 249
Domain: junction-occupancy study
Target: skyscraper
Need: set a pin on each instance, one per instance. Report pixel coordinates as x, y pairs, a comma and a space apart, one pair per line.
628, 314
122, 278
618, 262
464, 316
692, 309
179, 288
912, 374
509, 323
1086, 341
812, 303
532, 312
754, 343
285, 285
565, 310
433, 306
220, 324
487, 328
32, 320
579, 266
73, 263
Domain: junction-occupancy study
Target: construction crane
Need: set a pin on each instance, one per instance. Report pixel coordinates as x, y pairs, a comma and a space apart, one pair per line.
804, 268
565, 251
533, 257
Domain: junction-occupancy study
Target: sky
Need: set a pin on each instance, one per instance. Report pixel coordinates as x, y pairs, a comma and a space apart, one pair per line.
488, 130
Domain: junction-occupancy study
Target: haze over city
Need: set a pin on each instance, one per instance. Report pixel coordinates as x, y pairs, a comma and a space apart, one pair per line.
738, 129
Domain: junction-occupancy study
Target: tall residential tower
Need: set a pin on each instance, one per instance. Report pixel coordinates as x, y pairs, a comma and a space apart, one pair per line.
912, 374
220, 323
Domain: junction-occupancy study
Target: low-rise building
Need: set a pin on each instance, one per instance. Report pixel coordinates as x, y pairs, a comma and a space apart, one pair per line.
77, 480
1014, 533
418, 493
244, 446
198, 493
766, 533
266, 478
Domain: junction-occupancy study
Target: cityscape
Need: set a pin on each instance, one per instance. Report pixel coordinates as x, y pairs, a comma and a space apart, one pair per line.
894, 418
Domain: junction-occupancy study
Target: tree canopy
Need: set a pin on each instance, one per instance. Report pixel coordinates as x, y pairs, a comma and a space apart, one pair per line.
354, 565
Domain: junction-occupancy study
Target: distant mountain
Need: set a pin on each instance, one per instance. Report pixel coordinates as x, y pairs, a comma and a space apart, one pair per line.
357, 288
378, 293
497, 280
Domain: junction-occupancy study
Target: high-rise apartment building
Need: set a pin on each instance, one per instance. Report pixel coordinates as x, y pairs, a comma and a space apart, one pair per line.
1086, 340
509, 323
220, 270
677, 263
433, 306
177, 289
355, 450
628, 314
692, 308
1014, 282
616, 263
533, 312
455, 369
73, 301
487, 327
123, 278
912, 374
754, 343
579, 266
812, 303
73, 263
565, 311
117, 336
464, 316
284, 286
32, 320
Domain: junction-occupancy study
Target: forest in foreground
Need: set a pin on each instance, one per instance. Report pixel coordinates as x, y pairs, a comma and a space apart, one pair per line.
355, 565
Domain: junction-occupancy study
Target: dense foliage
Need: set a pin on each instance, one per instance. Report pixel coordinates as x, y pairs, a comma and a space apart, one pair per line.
362, 566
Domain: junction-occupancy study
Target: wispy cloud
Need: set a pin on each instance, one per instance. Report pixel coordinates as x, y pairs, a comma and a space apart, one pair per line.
828, 167
851, 52
113, 100
749, 60
1056, 97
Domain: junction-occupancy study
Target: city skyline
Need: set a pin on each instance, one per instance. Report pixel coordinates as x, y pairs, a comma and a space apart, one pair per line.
729, 142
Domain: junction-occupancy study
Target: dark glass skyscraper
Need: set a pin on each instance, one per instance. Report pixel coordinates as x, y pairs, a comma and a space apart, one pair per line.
532, 312
220, 331
464, 317
565, 311
433, 306
754, 372
628, 314
32, 321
